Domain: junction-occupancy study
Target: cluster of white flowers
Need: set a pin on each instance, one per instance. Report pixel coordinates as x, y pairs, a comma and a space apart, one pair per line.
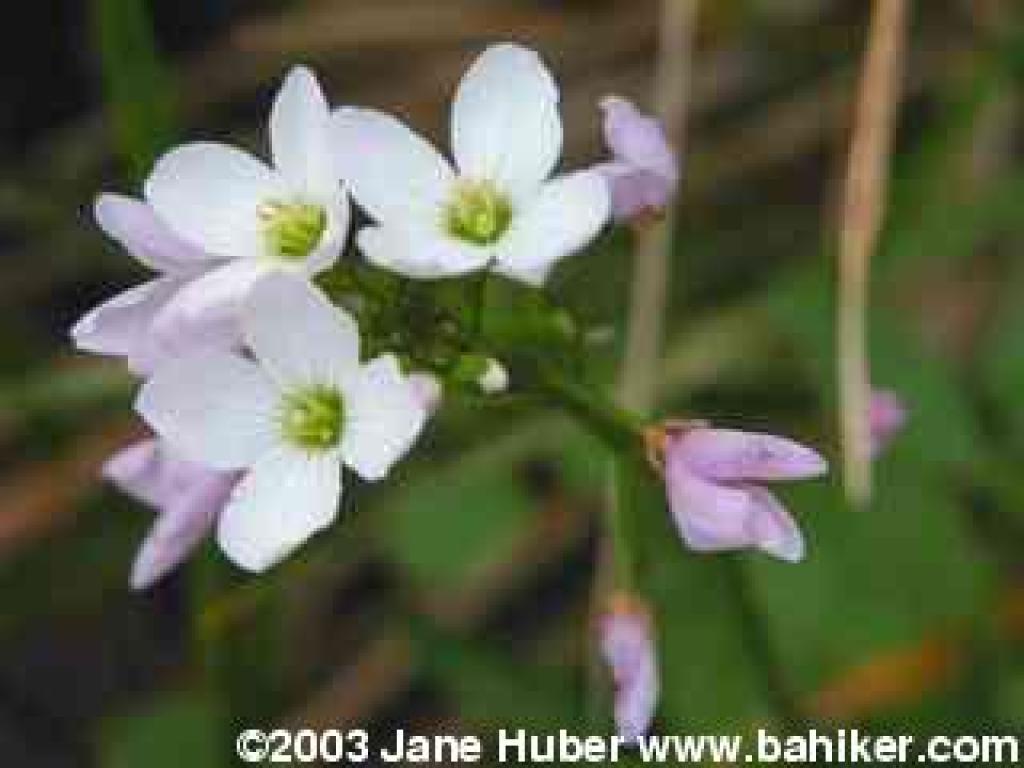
260, 388
253, 380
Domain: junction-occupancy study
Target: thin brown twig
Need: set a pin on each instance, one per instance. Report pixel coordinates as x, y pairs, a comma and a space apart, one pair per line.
863, 209
649, 293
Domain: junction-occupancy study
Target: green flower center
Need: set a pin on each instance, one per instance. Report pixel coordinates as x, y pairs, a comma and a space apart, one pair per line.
293, 230
478, 213
312, 419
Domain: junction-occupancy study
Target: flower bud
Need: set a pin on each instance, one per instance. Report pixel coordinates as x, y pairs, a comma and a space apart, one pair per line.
626, 635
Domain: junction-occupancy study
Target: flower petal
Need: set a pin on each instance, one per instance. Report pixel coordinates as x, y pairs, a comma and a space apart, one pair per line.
214, 408
151, 472
135, 226
394, 174
210, 195
730, 455
428, 390
887, 414
180, 528
206, 310
383, 417
773, 529
635, 190
627, 644
123, 325
299, 134
637, 139
719, 518
566, 215
709, 517
284, 499
505, 122
422, 255
298, 336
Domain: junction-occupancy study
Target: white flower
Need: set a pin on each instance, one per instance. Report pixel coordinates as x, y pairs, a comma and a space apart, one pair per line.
254, 219
289, 416
499, 208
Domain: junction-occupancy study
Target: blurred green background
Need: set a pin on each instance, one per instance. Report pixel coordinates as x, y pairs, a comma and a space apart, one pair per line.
457, 597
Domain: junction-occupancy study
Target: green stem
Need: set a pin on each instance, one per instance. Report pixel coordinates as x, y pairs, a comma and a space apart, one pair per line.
622, 432
619, 429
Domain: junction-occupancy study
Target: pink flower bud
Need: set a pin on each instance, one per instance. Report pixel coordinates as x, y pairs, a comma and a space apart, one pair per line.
187, 496
643, 173
626, 635
887, 414
712, 480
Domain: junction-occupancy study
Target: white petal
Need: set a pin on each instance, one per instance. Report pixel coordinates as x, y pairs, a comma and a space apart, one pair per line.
283, 500
298, 335
393, 173
136, 227
210, 195
210, 304
566, 215
299, 134
505, 121
214, 408
383, 417
123, 325
420, 254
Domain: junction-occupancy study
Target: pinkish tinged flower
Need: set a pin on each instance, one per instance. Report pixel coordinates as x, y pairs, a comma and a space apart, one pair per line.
133, 324
626, 637
644, 172
887, 414
713, 478
187, 496
215, 221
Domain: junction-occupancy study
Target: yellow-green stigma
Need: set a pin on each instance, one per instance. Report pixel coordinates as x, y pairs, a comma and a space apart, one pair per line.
478, 213
293, 230
312, 419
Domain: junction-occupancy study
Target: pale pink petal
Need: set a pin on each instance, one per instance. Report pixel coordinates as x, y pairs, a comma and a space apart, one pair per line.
635, 190
888, 416
628, 647
181, 527
123, 325
644, 172
150, 472
638, 139
720, 518
207, 308
136, 226
728, 455
773, 529
427, 390
709, 517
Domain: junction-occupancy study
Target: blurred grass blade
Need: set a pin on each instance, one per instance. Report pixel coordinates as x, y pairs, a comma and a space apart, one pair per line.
140, 102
